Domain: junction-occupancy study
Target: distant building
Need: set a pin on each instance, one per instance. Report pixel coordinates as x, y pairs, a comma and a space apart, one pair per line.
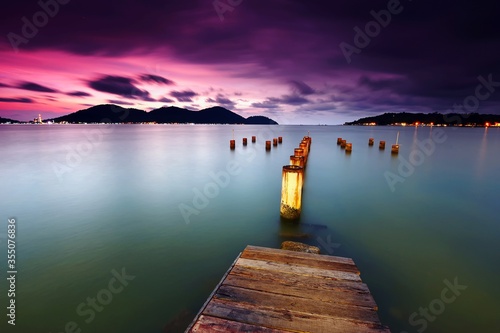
38, 120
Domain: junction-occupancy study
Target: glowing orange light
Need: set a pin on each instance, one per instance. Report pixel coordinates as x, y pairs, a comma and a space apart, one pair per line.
487, 124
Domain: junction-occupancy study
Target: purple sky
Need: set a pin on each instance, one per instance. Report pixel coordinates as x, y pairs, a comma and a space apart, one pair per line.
294, 61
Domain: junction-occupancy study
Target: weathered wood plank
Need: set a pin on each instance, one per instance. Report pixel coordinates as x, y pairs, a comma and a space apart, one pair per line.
318, 289
302, 254
299, 304
206, 324
287, 319
300, 270
299, 280
279, 291
302, 259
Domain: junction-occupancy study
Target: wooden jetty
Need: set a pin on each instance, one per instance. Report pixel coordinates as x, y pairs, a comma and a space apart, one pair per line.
280, 291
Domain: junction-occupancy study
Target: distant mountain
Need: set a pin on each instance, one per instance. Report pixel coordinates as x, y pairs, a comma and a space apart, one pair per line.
450, 119
214, 115
109, 113
105, 113
7, 120
259, 120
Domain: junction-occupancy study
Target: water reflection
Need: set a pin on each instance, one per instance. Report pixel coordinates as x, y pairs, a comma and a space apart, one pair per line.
483, 147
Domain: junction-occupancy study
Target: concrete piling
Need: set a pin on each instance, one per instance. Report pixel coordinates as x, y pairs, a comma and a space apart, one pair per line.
291, 191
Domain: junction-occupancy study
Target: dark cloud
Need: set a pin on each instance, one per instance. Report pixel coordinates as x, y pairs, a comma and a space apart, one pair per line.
265, 105
222, 101
31, 86
4, 85
16, 100
155, 79
121, 86
301, 88
114, 101
290, 100
78, 94
278, 102
183, 96
166, 100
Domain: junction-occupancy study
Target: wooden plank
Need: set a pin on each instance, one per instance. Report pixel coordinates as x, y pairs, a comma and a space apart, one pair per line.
302, 254
294, 303
207, 324
313, 288
287, 319
299, 270
318, 282
299, 258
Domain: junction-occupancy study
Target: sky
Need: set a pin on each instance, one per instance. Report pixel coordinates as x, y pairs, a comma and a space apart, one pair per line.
295, 61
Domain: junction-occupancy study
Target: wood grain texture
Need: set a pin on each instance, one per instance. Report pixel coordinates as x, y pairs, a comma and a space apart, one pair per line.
279, 291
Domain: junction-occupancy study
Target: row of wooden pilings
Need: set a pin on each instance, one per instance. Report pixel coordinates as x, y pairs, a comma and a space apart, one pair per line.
293, 181
371, 141
279, 139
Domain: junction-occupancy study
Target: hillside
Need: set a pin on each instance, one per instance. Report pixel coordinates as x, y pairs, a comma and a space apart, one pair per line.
449, 119
7, 120
109, 113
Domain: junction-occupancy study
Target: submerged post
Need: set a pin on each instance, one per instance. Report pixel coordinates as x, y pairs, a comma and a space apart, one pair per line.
305, 152
291, 191
343, 144
298, 152
381, 145
232, 144
395, 148
254, 138
371, 141
339, 141
297, 160
268, 145
275, 142
348, 148
244, 141
308, 140
280, 139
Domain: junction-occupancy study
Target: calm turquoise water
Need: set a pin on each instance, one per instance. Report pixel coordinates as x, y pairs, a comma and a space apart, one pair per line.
93, 202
